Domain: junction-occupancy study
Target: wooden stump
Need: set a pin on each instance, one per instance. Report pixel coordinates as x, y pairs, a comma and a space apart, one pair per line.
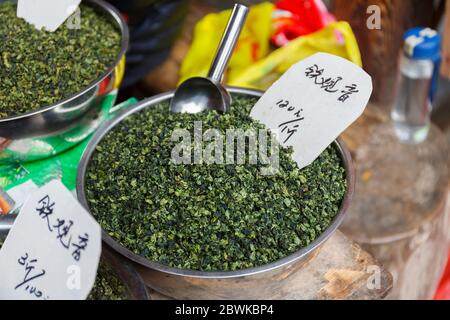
399, 211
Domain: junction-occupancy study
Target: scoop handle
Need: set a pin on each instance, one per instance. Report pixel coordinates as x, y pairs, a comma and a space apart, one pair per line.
228, 42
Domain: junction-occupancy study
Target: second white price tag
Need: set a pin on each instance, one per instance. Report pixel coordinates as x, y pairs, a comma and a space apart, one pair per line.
53, 249
314, 102
47, 14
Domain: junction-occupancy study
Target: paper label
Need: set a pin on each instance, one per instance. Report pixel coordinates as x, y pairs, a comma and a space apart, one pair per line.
47, 14
52, 250
314, 102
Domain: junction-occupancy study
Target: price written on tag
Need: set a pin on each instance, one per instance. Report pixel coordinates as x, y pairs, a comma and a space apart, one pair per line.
47, 14
313, 103
53, 249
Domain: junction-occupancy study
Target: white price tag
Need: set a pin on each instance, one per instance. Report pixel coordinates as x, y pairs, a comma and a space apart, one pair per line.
314, 102
53, 249
47, 14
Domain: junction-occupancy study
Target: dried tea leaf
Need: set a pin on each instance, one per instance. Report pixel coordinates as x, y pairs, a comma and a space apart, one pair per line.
107, 285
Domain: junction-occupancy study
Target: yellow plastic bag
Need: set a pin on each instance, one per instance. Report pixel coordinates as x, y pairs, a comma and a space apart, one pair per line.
252, 66
253, 44
337, 38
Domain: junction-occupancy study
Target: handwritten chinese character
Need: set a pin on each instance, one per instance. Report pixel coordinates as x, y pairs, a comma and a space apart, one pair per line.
347, 92
45, 210
328, 84
29, 265
30, 275
81, 246
313, 72
63, 229
290, 127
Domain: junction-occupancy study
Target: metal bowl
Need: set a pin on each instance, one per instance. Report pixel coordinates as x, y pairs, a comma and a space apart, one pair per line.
253, 283
51, 129
125, 271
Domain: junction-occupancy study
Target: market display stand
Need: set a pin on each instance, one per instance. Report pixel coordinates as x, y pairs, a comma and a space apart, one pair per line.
341, 270
400, 210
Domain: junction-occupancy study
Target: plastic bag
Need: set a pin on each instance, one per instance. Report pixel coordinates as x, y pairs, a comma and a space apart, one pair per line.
253, 44
294, 18
337, 38
22, 178
252, 64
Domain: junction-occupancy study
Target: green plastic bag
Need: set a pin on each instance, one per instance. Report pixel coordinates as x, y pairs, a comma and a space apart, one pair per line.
20, 179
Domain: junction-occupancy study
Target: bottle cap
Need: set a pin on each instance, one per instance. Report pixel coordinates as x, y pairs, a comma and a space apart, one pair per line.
422, 44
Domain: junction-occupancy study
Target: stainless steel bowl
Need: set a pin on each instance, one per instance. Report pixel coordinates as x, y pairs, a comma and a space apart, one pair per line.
253, 283
124, 269
54, 128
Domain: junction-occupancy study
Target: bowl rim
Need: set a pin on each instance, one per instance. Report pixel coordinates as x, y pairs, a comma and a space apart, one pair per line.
296, 256
116, 17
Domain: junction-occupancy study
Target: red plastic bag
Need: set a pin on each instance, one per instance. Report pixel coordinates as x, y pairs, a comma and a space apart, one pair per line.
295, 18
443, 291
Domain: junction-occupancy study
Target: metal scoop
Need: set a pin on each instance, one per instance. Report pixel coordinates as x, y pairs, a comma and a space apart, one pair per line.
198, 94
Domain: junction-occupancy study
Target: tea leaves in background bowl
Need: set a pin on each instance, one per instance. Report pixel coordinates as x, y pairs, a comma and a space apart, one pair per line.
107, 285
40, 68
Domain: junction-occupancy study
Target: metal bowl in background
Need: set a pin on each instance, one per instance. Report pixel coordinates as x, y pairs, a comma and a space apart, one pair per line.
51, 129
254, 283
125, 271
